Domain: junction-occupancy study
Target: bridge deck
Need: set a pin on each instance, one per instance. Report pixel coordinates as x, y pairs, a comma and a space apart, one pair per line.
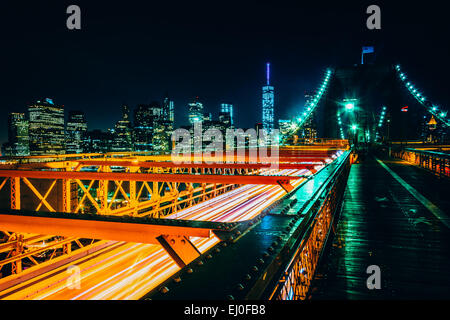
383, 224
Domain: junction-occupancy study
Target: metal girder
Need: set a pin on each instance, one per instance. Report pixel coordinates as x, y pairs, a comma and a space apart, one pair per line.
48, 265
155, 177
95, 229
20, 255
15, 193
286, 185
180, 249
162, 164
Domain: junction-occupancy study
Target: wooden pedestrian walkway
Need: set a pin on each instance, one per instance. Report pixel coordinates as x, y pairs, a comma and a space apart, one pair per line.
384, 223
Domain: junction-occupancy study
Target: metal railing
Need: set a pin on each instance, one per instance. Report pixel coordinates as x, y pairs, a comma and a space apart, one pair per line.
436, 162
298, 274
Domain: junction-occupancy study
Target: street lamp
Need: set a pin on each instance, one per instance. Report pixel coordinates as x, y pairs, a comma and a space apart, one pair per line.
350, 106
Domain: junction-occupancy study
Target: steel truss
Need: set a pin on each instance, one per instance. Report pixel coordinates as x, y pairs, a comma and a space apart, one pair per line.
27, 249
122, 184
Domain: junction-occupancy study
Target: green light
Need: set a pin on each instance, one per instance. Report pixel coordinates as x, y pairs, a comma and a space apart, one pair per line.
350, 106
354, 127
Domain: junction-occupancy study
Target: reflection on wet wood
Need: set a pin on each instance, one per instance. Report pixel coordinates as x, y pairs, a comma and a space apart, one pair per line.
383, 224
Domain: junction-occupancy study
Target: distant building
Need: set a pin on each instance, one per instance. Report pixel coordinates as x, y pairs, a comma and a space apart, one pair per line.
434, 131
153, 126
207, 116
268, 104
162, 135
164, 127
214, 126
285, 126
258, 128
195, 111
144, 118
46, 128
227, 108
18, 138
168, 109
76, 129
225, 119
97, 141
123, 132
309, 128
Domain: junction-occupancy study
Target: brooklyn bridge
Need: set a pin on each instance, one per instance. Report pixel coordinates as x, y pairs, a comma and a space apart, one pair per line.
371, 193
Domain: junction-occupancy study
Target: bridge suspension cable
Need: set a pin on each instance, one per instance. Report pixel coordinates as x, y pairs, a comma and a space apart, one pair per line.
380, 122
314, 102
429, 106
341, 131
310, 106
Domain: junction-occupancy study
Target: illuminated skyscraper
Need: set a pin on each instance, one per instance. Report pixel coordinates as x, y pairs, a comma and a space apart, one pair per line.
145, 117
163, 127
195, 111
268, 104
76, 129
123, 132
18, 139
227, 108
46, 128
168, 109
309, 126
225, 120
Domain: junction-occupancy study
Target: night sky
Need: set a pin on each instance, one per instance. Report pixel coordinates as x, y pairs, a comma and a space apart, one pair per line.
135, 51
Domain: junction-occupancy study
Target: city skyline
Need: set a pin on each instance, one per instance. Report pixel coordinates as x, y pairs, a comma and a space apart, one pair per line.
144, 132
136, 60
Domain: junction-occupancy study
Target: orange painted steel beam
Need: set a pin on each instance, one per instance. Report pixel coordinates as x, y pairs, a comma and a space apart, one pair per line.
92, 229
180, 249
168, 164
155, 177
